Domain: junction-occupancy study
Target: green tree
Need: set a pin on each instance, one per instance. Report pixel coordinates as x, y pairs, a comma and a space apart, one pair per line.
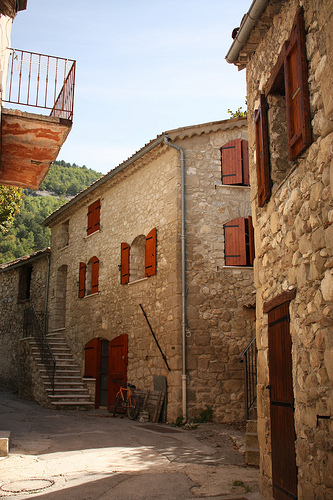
10, 203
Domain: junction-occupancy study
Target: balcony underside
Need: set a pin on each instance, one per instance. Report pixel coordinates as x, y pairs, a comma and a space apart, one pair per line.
30, 143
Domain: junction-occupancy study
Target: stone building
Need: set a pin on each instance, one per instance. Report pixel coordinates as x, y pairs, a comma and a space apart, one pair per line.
164, 235
287, 47
22, 283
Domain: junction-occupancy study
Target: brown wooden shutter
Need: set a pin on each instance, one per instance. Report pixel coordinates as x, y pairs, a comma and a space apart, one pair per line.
82, 280
235, 242
125, 260
251, 241
150, 254
94, 217
262, 152
297, 90
94, 274
231, 162
91, 358
245, 163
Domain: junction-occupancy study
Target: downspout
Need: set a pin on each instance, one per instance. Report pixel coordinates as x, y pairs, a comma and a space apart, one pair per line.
183, 237
248, 23
47, 292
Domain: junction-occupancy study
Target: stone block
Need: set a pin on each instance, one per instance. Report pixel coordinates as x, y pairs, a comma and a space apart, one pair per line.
4, 443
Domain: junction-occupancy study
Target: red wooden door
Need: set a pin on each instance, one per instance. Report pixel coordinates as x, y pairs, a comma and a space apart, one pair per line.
117, 367
92, 364
284, 470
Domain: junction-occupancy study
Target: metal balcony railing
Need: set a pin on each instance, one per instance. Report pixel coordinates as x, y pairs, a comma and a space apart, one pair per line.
41, 81
250, 375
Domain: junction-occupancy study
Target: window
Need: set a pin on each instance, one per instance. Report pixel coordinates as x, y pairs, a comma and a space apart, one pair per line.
94, 211
239, 242
24, 283
88, 277
235, 163
287, 89
63, 235
141, 264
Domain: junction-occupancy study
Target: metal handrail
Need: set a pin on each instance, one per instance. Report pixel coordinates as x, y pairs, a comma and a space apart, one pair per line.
250, 375
32, 327
41, 81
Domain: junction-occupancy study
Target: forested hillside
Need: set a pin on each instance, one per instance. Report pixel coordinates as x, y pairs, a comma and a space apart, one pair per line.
27, 235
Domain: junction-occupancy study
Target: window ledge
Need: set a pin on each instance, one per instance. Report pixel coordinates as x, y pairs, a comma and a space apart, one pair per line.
234, 267
137, 281
92, 234
91, 295
230, 186
63, 248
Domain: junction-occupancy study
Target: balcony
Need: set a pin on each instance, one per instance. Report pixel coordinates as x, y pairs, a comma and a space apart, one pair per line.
31, 141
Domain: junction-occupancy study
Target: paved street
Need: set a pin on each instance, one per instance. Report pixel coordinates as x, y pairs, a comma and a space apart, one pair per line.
87, 455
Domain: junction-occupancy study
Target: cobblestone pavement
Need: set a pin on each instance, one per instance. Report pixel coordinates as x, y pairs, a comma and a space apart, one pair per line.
89, 455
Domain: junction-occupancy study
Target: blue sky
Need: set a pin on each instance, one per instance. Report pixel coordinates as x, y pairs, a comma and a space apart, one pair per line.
143, 67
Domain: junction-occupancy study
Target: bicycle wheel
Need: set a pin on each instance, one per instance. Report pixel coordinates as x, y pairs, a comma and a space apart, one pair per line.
133, 407
116, 405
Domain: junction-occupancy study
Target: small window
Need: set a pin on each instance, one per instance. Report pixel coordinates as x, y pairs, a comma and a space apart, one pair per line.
235, 163
94, 211
88, 277
64, 235
25, 283
138, 261
239, 242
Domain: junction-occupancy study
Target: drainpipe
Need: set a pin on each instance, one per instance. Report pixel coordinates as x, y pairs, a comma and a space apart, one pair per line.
47, 291
184, 376
248, 23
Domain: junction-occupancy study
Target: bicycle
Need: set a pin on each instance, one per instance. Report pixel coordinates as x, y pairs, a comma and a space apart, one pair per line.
127, 400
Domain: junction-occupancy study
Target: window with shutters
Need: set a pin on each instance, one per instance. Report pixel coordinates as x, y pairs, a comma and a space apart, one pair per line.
138, 260
235, 163
282, 121
88, 277
94, 212
239, 242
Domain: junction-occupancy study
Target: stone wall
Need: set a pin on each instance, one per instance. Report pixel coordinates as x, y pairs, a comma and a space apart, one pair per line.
146, 195
294, 249
12, 310
220, 321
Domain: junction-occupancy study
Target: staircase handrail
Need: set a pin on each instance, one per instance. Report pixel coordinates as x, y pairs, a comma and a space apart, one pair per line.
250, 375
39, 334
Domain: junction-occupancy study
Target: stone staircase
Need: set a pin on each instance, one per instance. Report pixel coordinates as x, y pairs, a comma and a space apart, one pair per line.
70, 392
252, 453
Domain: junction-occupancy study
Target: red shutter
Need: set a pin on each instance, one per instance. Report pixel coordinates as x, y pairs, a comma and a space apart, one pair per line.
251, 241
245, 163
262, 152
297, 90
94, 217
150, 254
82, 280
235, 242
94, 274
231, 162
91, 358
125, 259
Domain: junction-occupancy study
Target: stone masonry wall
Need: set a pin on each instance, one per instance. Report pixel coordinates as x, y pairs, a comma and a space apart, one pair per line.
294, 249
143, 196
219, 323
11, 327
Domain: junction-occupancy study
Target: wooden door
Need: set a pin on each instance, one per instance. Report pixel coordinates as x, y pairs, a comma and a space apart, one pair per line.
284, 470
92, 364
117, 367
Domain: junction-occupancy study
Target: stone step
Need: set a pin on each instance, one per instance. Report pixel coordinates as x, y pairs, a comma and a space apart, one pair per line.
252, 456
58, 391
72, 404
251, 426
251, 440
